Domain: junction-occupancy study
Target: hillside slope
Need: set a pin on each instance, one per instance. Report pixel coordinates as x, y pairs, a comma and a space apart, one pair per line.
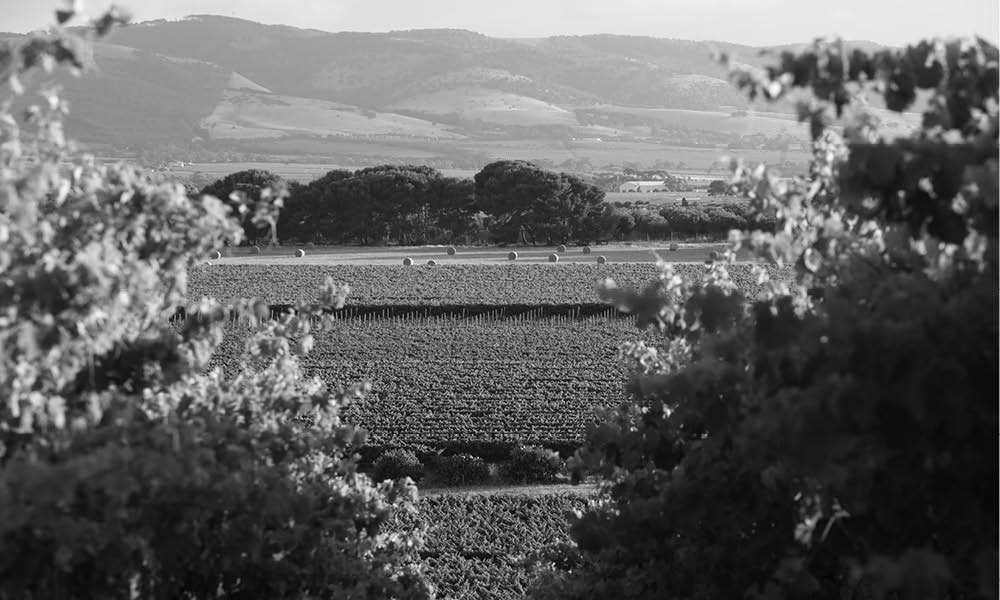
212, 84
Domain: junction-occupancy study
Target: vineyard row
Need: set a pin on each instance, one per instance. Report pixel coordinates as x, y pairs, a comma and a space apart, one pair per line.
446, 381
477, 545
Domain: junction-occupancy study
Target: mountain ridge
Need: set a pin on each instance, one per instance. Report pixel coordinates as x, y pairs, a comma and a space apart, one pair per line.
214, 83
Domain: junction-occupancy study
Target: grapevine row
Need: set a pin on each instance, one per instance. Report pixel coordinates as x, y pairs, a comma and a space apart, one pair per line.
445, 380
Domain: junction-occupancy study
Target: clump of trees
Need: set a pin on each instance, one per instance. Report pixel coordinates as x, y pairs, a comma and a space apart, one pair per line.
684, 221
508, 202
389, 204
127, 469
836, 437
529, 205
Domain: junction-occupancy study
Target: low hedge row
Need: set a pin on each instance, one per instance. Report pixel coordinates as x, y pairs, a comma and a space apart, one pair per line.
489, 451
523, 464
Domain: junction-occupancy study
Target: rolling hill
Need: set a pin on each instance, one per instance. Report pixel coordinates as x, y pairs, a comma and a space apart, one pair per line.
218, 83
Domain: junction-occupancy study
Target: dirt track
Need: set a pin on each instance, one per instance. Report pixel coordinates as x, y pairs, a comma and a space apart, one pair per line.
354, 255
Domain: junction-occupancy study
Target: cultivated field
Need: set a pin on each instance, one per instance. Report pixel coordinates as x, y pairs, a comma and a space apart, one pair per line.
477, 544
474, 355
454, 381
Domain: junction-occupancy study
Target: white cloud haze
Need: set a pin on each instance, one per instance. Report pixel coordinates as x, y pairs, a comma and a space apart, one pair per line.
760, 22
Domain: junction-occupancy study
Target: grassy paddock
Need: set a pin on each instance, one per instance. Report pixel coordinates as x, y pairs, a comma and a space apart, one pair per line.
699, 197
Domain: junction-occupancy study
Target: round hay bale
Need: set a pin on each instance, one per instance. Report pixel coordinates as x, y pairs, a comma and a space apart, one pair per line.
561, 248
674, 247
586, 249
255, 250
553, 258
216, 255
451, 251
300, 253
512, 256
407, 261
432, 262
713, 256
601, 260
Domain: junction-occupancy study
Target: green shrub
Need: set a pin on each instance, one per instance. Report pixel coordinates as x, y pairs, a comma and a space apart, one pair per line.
835, 437
460, 469
128, 469
398, 463
533, 464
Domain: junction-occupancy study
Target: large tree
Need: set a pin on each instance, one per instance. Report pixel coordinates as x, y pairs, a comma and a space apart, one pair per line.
508, 191
837, 436
532, 205
317, 211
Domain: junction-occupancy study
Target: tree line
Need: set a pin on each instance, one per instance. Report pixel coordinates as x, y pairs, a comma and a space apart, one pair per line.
507, 202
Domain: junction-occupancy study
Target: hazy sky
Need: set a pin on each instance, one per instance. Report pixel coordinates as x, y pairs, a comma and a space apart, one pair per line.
756, 22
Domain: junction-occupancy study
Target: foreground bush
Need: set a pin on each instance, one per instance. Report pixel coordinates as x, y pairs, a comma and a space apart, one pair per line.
126, 470
838, 437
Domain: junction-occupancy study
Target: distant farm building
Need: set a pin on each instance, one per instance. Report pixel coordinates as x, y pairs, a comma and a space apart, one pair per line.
643, 186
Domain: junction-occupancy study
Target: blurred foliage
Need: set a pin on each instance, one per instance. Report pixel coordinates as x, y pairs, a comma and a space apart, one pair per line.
835, 437
126, 469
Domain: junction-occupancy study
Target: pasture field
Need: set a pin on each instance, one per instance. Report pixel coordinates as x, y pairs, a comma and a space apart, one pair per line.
646, 154
440, 285
767, 123
700, 197
325, 154
447, 380
476, 545
491, 106
298, 171
248, 114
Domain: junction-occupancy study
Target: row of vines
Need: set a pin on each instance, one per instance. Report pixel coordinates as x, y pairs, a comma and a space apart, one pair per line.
479, 546
445, 379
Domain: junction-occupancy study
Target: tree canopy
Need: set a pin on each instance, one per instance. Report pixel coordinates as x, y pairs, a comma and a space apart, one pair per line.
127, 468
532, 205
835, 437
